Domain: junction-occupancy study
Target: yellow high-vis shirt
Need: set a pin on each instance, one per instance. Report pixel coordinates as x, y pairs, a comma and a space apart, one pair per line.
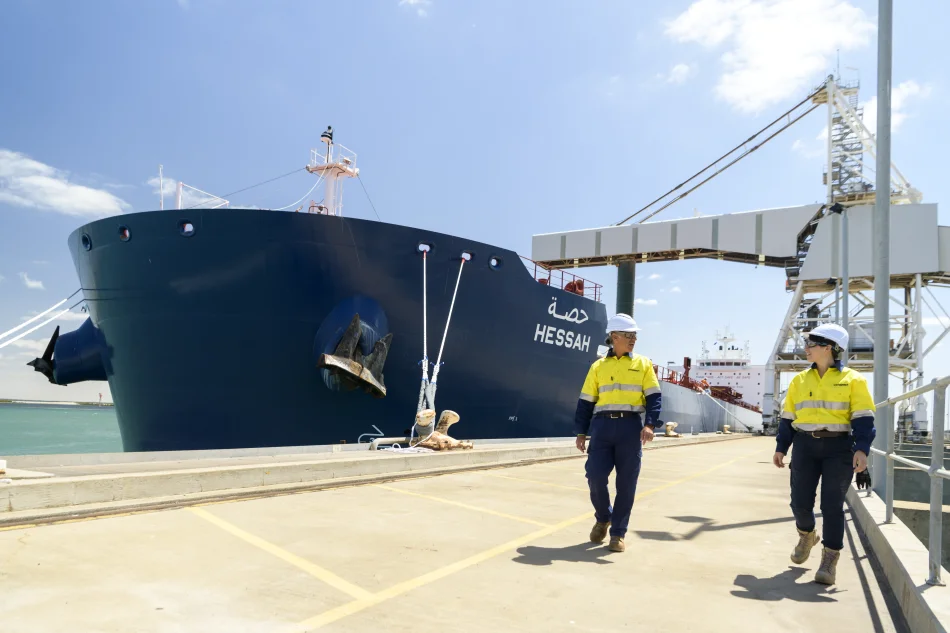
813, 403
620, 384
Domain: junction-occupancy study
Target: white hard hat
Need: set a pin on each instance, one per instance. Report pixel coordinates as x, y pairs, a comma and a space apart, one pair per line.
834, 333
621, 323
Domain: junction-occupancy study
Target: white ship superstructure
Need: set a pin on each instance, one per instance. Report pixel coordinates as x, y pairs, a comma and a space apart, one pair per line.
726, 364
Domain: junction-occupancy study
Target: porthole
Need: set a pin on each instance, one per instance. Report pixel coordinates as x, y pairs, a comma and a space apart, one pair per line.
186, 228
86, 242
124, 233
496, 262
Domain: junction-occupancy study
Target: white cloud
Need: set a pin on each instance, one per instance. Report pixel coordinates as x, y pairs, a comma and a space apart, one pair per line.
168, 185
808, 150
36, 347
419, 4
28, 183
66, 316
646, 302
678, 74
654, 276
32, 284
941, 321
676, 289
903, 93
775, 49
189, 197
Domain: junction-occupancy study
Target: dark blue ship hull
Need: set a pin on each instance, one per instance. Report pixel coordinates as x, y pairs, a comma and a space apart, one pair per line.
213, 340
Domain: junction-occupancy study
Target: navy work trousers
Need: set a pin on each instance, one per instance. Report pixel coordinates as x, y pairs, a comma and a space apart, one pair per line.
614, 443
829, 459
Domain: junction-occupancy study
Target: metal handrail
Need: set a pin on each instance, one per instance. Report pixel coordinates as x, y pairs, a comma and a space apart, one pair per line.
935, 471
555, 276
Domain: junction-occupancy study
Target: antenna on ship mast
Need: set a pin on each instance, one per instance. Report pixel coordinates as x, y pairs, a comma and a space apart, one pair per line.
338, 162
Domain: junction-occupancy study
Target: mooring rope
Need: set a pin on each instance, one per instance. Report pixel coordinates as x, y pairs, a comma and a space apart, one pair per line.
748, 428
425, 342
428, 388
33, 329
433, 385
40, 315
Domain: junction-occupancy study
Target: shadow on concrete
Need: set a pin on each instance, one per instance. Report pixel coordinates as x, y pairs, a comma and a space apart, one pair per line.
656, 536
784, 586
581, 553
891, 605
709, 525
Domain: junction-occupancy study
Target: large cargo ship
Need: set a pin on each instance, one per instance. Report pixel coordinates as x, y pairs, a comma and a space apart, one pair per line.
236, 328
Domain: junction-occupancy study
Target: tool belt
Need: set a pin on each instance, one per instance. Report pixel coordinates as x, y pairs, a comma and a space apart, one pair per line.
826, 433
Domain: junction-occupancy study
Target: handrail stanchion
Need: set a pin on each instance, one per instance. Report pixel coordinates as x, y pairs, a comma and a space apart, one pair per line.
936, 471
888, 411
936, 487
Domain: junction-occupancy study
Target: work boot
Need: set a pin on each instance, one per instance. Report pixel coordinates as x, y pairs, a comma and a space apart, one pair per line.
826, 572
599, 533
806, 541
616, 544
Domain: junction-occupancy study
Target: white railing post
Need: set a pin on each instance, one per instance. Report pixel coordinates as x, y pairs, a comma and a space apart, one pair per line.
888, 411
936, 470
936, 486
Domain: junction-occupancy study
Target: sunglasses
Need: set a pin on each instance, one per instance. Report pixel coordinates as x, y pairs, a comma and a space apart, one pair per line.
810, 343
630, 336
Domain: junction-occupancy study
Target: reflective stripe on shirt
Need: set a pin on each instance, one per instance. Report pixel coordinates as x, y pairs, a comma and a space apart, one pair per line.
822, 404
619, 386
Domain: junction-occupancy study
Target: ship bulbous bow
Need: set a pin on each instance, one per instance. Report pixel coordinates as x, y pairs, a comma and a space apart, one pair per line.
73, 357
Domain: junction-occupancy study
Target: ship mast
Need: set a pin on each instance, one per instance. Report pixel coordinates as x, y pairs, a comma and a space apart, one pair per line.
337, 163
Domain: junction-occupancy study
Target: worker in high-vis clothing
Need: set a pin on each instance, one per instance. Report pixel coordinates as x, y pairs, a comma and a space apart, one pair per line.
828, 419
618, 408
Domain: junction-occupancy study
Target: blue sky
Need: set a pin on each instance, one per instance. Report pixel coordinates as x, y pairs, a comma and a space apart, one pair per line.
493, 120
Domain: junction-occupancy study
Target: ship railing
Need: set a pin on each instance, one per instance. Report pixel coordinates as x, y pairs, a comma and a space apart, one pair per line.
935, 470
338, 154
563, 279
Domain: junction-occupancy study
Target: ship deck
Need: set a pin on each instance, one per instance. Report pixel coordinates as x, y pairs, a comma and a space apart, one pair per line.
488, 549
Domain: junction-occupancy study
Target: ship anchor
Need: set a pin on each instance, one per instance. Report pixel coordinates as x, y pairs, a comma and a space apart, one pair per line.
357, 370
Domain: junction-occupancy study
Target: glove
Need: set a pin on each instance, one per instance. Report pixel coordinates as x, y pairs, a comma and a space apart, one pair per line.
863, 479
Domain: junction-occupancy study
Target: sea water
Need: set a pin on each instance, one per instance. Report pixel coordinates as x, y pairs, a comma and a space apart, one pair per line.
35, 429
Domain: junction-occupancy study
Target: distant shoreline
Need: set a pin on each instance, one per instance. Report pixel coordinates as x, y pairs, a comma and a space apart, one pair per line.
57, 403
